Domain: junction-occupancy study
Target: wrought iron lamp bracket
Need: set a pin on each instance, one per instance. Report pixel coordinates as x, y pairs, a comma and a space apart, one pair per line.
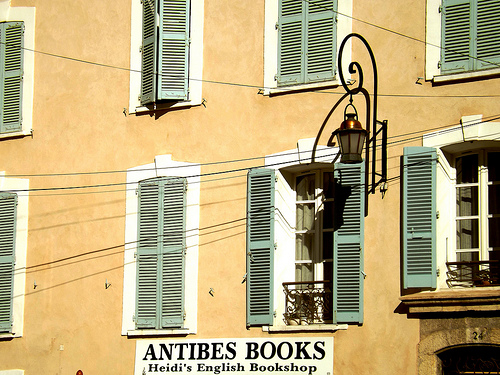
377, 130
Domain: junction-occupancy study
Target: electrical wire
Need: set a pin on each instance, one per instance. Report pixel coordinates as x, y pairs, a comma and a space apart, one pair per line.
224, 162
129, 186
260, 87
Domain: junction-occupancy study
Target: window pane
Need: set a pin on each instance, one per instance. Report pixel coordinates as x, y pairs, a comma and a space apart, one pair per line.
494, 199
304, 272
328, 271
494, 166
328, 245
328, 185
468, 272
305, 187
467, 169
467, 201
304, 245
468, 257
468, 234
328, 215
494, 232
305, 216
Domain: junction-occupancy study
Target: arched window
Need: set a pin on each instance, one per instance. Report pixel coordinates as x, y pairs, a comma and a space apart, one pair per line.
472, 359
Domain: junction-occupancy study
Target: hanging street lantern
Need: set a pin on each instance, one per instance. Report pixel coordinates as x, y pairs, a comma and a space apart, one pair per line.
351, 137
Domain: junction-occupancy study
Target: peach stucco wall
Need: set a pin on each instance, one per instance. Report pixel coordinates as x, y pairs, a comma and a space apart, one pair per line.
81, 124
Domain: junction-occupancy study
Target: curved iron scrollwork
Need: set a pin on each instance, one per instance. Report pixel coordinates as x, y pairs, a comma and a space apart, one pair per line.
355, 67
308, 302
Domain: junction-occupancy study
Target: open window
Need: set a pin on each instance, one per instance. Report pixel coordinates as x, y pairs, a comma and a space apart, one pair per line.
305, 245
451, 210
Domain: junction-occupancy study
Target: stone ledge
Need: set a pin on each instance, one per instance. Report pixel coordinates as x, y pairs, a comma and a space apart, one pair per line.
453, 300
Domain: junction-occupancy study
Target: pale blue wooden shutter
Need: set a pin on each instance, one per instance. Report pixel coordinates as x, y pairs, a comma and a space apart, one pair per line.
173, 52
306, 41
488, 34
321, 40
149, 68
174, 247
160, 253
148, 255
260, 246
291, 39
348, 243
8, 203
456, 36
419, 217
11, 70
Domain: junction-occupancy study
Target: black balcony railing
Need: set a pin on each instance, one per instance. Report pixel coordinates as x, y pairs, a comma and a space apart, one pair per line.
308, 302
473, 273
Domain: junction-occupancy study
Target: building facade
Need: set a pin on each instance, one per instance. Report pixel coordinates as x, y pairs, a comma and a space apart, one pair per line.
171, 200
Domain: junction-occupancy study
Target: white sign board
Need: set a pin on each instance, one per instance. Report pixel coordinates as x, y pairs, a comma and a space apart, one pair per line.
313, 355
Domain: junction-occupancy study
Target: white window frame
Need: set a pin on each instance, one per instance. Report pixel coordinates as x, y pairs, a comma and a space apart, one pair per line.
163, 166
471, 134
21, 188
195, 60
27, 15
284, 259
344, 27
433, 27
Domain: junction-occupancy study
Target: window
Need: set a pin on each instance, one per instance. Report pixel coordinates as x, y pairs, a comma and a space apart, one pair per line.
165, 50
13, 246
16, 70
11, 67
167, 46
477, 212
161, 252
468, 37
309, 298
467, 359
306, 41
314, 226
301, 41
8, 203
451, 210
305, 245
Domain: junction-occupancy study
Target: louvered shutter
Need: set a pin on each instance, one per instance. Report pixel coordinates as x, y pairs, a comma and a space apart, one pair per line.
11, 70
174, 228
8, 203
291, 39
348, 243
173, 49
488, 34
260, 246
160, 254
149, 68
148, 255
419, 217
321, 40
456, 36
306, 41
